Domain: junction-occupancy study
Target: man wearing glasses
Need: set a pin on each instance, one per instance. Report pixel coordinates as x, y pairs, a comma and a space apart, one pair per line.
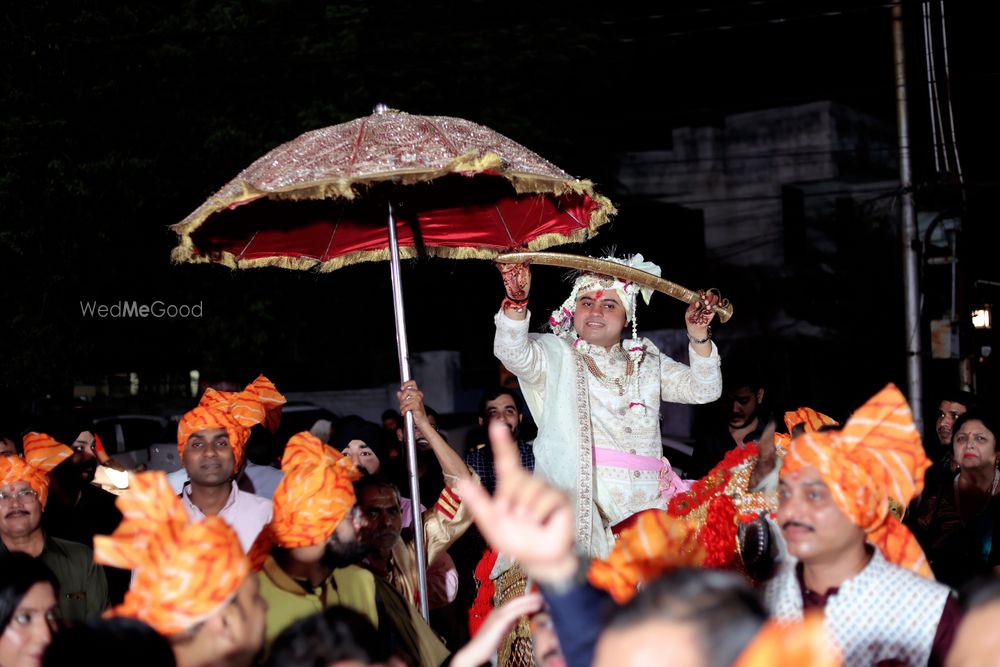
24, 490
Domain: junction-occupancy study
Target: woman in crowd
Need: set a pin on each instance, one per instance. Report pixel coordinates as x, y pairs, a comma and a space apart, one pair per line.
957, 522
29, 613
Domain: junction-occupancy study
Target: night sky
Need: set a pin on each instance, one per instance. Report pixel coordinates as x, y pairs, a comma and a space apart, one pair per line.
119, 118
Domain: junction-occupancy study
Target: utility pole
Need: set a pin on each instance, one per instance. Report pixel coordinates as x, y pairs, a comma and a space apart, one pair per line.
909, 237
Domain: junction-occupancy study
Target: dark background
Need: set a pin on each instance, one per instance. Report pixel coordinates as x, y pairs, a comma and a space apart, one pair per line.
119, 118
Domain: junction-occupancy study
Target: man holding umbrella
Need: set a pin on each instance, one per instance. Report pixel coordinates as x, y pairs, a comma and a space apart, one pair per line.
596, 399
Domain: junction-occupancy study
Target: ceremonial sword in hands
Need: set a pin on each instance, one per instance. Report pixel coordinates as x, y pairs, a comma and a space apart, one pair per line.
718, 305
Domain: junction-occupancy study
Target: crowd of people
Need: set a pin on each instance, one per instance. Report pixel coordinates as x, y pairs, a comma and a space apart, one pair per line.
815, 541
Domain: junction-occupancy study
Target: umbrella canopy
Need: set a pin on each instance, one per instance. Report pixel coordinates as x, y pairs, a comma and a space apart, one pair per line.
470, 193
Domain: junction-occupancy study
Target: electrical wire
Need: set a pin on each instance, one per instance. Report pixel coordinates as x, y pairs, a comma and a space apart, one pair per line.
951, 112
931, 93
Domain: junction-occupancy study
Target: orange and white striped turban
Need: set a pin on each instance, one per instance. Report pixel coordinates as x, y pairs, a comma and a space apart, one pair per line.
184, 571
801, 642
875, 457
237, 412
656, 543
315, 494
41, 455
810, 420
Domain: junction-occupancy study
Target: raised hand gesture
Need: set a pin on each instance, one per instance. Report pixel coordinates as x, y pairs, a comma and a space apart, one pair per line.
526, 519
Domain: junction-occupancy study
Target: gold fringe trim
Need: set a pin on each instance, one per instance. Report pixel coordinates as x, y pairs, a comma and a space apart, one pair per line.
347, 189
185, 253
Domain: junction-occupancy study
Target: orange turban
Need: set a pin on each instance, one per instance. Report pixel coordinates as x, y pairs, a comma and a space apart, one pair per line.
657, 542
237, 412
811, 421
803, 642
315, 494
875, 457
41, 454
183, 572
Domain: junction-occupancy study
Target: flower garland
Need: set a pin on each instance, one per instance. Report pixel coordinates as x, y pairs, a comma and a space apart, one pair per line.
718, 535
483, 604
709, 504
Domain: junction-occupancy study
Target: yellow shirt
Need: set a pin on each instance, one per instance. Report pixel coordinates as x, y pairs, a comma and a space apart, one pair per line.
288, 601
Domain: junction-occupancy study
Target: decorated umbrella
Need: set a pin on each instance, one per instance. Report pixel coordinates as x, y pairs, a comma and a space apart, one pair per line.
389, 186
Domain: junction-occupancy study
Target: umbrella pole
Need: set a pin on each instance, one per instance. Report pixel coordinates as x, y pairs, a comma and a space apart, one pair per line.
411, 441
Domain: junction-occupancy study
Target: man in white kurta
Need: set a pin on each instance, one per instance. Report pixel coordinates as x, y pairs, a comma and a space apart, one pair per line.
596, 399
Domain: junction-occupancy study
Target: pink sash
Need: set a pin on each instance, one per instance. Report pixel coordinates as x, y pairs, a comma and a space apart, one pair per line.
670, 483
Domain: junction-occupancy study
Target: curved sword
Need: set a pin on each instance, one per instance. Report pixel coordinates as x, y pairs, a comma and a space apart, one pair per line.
723, 308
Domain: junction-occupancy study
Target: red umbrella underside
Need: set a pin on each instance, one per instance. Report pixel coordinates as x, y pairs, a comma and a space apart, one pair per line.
455, 215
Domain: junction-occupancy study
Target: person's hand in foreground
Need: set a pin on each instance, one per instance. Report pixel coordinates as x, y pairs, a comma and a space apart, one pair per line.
481, 648
526, 519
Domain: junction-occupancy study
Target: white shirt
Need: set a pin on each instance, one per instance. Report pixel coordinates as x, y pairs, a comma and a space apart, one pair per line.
245, 513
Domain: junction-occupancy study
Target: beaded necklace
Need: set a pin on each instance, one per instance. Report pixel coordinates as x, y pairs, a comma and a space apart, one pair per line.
613, 384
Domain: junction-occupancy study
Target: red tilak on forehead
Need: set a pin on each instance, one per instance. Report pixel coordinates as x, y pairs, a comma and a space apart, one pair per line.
599, 294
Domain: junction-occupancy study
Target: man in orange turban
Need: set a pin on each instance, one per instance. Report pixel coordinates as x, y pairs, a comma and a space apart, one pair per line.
850, 557
307, 554
211, 442
192, 582
24, 491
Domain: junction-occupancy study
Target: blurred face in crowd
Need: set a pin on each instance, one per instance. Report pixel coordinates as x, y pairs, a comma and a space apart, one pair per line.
421, 439
599, 318
948, 412
977, 642
650, 643
503, 408
208, 457
815, 529
342, 548
231, 636
345, 546
7, 447
743, 406
250, 612
380, 507
85, 455
20, 511
974, 446
545, 643
30, 628
362, 456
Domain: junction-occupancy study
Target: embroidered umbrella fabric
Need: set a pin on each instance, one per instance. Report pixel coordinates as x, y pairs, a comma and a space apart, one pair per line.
319, 201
